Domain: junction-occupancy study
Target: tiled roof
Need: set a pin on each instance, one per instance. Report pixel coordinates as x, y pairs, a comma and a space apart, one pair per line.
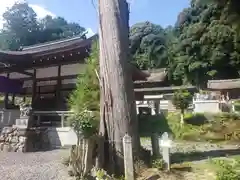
224, 84
155, 75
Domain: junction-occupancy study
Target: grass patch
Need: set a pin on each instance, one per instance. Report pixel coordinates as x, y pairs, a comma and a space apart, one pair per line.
215, 128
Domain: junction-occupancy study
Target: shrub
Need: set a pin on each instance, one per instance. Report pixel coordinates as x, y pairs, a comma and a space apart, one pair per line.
195, 119
237, 105
84, 123
158, 163
86, 96
227, 170
149, 124
182, 100
223, 117
100, 174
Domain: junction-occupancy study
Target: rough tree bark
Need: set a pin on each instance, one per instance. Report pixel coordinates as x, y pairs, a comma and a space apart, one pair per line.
118, 109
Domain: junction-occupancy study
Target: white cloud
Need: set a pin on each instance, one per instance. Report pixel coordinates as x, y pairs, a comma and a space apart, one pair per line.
40, 10
89, 32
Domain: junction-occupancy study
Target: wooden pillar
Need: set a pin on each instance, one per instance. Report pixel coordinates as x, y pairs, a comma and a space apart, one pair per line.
58, 87
34, 86
13, 98
6, 96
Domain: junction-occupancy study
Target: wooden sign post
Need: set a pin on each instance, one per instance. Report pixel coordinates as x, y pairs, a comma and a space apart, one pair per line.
166, 144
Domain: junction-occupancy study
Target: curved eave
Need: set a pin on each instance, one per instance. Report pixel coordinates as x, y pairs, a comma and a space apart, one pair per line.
51, 49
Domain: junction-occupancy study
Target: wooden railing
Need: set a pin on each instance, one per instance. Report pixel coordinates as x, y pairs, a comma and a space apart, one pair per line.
61, 114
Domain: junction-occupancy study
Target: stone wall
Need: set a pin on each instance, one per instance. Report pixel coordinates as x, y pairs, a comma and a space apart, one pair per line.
13, 139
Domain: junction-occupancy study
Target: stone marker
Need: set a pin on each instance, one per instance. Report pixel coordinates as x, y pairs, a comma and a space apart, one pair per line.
166, 144
128, 157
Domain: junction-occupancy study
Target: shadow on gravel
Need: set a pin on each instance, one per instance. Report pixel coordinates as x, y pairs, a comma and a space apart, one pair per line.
198, 155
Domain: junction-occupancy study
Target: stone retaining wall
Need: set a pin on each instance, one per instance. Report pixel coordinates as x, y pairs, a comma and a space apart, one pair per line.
13, 139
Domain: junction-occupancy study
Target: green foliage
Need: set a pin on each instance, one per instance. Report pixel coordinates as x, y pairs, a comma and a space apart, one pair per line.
86, 96
84, 123
223, 117
196, 119
237, 105
148, 45
100, 174
198, 127
206, 45
21, 28
158, 163
182, 99
227, 170
152, 124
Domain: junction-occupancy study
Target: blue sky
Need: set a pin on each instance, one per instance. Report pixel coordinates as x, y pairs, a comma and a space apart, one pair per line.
163, 12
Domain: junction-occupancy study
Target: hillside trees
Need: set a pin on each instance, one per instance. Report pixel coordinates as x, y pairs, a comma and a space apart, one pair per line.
207, 46
22, 28
148, 45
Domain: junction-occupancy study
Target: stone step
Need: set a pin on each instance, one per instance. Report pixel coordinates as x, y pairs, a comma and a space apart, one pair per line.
19, 126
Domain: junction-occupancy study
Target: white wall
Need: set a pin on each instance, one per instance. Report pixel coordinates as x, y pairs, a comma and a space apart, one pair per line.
62, 137
210, 106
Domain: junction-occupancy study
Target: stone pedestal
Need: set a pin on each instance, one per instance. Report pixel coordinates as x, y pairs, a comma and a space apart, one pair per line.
23, 122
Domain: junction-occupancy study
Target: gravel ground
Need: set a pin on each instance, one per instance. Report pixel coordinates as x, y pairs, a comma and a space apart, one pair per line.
48, 165
33, 166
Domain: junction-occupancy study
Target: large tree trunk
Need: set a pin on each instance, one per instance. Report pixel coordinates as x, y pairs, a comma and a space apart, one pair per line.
118, 109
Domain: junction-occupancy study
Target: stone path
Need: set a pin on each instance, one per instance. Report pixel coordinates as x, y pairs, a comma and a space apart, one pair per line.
33, 166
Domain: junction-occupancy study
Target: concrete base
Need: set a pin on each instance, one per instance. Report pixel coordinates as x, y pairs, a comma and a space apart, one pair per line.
62, 137
23, 122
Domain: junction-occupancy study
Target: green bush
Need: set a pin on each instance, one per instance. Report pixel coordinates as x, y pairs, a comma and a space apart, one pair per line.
84, 123
195, 119
227, 170
158, 164
223, 117
86, 96
198, 127
149, 124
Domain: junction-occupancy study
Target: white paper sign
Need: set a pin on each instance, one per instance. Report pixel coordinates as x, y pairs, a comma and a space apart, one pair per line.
166, 143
